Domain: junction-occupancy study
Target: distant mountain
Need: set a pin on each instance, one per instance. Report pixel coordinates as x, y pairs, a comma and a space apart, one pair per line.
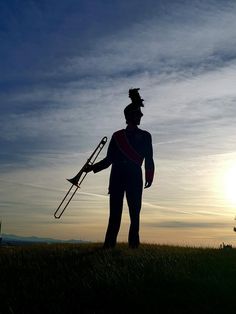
12, 239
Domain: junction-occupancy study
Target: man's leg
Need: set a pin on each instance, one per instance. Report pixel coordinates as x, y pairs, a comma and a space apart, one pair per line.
134, 200
116, 205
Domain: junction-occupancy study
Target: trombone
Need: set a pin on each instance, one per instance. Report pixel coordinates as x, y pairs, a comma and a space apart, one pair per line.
78, 179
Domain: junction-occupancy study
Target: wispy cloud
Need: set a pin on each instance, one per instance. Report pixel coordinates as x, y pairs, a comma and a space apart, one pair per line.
189, 224
64, 85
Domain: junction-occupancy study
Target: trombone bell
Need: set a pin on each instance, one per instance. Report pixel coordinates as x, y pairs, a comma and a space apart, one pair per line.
75, 179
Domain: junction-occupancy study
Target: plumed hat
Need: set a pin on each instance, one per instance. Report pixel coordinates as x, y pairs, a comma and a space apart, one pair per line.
136, 103
135, 97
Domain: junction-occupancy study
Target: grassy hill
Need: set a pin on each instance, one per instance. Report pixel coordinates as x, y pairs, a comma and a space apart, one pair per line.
83, 278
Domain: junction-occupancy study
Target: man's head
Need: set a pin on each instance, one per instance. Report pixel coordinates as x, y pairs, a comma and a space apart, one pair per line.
133, 114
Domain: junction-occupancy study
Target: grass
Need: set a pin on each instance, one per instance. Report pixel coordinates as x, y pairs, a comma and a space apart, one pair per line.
86, 279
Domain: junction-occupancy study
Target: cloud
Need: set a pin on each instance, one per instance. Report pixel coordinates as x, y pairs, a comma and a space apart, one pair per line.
160, 47
189, 224
64, 85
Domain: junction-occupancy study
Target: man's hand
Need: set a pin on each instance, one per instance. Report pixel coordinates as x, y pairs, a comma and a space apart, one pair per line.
149, 174
88, 168
147, 184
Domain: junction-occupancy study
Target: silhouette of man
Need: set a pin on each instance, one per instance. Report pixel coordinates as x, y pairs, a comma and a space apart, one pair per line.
126, 152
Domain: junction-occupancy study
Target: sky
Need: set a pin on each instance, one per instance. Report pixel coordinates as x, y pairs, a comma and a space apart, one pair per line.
66, 67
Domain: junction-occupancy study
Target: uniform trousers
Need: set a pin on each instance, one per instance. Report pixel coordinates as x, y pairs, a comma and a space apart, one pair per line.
129, 182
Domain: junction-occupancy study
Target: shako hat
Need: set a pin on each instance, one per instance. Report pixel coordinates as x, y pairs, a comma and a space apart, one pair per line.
135, 105
135, 97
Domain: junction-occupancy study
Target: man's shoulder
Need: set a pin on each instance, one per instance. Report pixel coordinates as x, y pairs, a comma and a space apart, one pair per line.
118, 132
144, 133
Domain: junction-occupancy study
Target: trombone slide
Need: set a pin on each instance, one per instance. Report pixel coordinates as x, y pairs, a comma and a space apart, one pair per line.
78, 179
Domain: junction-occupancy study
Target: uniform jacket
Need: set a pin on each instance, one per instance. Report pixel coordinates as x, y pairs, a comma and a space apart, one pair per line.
126, 152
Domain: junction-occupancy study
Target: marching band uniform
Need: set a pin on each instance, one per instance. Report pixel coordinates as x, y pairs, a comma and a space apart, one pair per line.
127, 150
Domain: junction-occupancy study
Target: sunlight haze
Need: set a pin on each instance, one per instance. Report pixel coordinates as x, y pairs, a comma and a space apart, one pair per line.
66, 68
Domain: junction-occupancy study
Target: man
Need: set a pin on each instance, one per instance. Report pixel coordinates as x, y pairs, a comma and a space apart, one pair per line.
126, 152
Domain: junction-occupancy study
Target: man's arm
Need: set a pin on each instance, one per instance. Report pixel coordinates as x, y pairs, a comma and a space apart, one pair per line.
104, 163
149, 162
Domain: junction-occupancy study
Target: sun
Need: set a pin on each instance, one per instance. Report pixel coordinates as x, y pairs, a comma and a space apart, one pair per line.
229, 184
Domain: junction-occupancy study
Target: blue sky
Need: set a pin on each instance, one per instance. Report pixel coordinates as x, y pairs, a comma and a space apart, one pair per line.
66, 67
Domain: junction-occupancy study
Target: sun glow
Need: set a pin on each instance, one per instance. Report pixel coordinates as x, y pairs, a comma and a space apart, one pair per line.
229, 184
